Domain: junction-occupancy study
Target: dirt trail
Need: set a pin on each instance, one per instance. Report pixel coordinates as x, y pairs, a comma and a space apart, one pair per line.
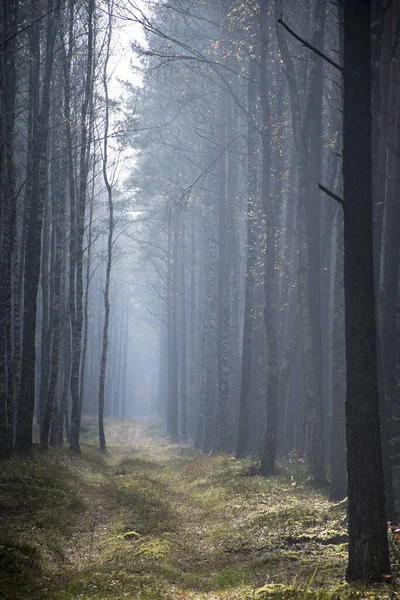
160, 521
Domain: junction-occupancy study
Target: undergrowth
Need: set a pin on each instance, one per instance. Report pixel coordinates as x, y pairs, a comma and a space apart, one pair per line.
150, 519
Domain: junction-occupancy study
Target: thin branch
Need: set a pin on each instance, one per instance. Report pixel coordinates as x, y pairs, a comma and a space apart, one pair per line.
331, 194
387, 6
310, 46
17, 33
156, 316
187, 191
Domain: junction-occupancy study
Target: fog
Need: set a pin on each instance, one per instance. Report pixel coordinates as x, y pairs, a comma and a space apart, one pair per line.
200, 229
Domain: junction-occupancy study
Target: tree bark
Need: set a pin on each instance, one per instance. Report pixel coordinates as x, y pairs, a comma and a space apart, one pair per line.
78, 224
337, 450
241, 445
182, 345
23, 441
8, 19
268, 456
223, 341
309, 300
51, 392
368, 544
103, 363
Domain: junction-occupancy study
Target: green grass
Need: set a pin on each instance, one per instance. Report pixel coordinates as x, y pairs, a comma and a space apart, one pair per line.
154, 520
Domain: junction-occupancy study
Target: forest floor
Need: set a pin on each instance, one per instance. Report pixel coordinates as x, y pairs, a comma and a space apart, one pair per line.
155, 520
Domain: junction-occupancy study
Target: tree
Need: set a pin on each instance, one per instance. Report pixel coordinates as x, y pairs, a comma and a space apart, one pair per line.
251, 261
23, 440
269, 450
368, 545
308, 230
78, 206
108, 184
8, 76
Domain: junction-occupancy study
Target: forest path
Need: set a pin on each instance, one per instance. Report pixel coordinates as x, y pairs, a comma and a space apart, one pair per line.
160, 521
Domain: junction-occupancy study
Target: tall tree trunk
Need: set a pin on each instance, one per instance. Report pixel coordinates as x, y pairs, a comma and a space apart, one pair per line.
267, 464
182, 345
23, 441
234, 267
337, 450
86, 302
387, 306
51, 395
79, 226
223, 339
103, 363
368, 544
210, 386
241, 446
309, 300
8, 19
172, 407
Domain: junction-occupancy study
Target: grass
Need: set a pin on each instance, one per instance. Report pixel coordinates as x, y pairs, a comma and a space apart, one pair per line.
154, 520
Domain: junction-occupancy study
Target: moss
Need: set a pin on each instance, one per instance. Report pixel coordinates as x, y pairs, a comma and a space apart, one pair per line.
155, 549
278, 591
231, 577
159, 520
131, 535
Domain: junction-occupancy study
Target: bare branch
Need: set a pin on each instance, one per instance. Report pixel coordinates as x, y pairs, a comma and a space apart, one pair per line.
310, 46
331, 194
156, 316
17, 33
187, 191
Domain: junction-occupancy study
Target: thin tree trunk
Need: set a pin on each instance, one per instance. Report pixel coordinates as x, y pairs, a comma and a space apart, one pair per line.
52, 390
86, 303
337, 453
103, 363
183, 369
76, 294
172, 406
241, 446
268, 456
223, 340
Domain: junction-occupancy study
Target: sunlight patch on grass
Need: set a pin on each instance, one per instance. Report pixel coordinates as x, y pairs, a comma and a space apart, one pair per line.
163, 522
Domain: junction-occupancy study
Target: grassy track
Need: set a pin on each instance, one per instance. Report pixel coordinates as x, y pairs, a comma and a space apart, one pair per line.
154, 520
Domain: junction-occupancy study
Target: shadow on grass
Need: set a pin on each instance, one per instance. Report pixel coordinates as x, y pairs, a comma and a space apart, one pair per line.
164, 522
